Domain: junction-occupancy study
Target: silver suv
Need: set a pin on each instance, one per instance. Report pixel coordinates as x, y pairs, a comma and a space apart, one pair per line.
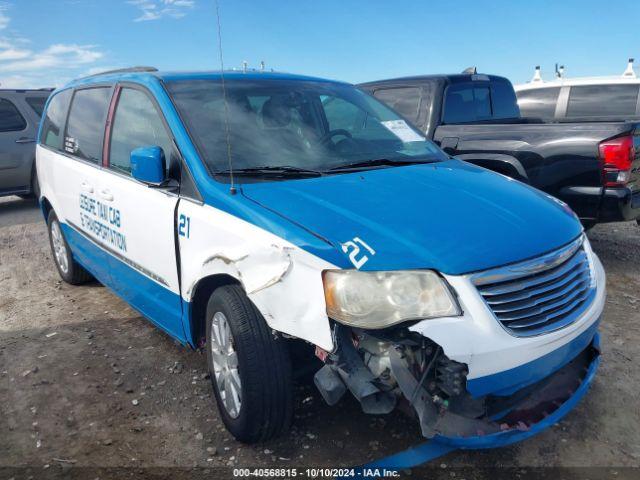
20, 112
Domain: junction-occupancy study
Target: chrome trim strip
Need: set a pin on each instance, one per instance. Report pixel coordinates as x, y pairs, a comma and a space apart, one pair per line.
554, 274
122, 258
528, 267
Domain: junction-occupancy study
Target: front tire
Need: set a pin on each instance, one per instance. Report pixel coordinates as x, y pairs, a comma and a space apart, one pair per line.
70, 270
250, 368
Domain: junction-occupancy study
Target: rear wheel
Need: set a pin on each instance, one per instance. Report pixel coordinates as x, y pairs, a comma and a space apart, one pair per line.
250, 368
70, 270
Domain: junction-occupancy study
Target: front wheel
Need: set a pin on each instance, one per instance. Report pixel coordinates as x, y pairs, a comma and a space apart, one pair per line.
70, 270
250, 368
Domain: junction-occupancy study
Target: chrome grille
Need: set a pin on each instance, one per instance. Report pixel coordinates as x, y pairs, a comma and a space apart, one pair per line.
540, 295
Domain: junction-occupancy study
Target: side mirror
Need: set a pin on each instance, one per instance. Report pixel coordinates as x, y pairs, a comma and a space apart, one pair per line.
148, 165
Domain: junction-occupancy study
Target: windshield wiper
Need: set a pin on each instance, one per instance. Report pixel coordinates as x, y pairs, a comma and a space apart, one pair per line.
378, 162
277, 170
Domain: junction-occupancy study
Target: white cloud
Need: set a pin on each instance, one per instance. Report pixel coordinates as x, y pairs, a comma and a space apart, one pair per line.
157, 9
4, 18
24, 67
65, 56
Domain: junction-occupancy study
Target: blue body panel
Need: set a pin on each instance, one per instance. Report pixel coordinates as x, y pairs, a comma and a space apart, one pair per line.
449, 216
92, 258
155, 302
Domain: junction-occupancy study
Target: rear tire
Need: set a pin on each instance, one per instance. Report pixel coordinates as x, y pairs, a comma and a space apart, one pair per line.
70, 271
250, 368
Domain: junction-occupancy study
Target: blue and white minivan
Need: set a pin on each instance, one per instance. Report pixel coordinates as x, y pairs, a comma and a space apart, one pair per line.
244, 213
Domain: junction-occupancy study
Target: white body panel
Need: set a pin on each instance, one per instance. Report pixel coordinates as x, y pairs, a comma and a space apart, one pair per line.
283, 280
479, 340
146, 221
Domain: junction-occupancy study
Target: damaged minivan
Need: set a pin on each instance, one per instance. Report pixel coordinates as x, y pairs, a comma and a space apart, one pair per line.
247, 213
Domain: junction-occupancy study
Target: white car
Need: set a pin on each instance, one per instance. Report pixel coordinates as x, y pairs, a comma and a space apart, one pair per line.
573, 99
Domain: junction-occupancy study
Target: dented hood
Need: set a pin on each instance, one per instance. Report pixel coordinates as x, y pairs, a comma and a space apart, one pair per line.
449, 216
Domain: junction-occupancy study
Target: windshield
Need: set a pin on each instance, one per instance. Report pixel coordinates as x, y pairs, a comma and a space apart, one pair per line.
295, 125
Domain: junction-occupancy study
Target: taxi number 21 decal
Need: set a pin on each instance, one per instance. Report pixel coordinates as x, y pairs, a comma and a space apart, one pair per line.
356, 255
184, 226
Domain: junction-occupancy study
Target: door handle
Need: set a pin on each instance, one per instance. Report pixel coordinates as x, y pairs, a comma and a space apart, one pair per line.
106, 195
25, 140
86, 187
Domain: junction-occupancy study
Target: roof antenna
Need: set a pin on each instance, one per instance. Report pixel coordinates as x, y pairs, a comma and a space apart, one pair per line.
559, 71
232, 188
629, 73
536, 76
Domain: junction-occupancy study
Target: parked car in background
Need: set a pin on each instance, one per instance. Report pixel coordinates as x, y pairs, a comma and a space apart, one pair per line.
248, 213
20, 112
580, 99
590, 164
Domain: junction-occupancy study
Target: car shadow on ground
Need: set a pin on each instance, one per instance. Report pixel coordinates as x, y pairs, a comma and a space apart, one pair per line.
19, 211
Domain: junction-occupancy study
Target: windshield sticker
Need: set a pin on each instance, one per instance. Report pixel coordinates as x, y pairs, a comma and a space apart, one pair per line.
403, 131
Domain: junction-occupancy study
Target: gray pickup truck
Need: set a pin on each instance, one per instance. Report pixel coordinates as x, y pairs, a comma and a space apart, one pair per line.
591, 163
20, 112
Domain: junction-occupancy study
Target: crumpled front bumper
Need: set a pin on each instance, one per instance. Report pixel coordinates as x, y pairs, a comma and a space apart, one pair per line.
507, 437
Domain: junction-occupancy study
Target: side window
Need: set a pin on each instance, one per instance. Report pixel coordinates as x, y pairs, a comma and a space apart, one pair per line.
602, 100
36, 104
53, 126
85, 128
467, 103
539, 102
404, 100
10, 118
503, 101
136, 124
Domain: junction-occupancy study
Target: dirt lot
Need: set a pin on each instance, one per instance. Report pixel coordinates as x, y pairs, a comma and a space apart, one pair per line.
86, 382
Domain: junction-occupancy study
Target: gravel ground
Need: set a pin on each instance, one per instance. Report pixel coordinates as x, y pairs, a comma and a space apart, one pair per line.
86, 382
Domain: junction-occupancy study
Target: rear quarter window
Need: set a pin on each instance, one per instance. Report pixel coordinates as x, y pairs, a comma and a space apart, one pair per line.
86, 124
504, 103
602, 100
404, 100
10, 118
539, 102
54, 120
36, 104
467, 103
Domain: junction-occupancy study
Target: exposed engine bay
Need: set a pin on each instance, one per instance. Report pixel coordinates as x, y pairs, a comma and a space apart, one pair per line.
386, 369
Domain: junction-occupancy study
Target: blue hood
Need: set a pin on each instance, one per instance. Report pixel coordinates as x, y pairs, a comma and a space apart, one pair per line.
449, 216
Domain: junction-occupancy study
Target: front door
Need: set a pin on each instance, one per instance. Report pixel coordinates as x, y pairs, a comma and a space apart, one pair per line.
144, 267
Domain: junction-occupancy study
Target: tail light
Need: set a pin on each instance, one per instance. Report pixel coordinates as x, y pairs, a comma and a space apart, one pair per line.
617, 155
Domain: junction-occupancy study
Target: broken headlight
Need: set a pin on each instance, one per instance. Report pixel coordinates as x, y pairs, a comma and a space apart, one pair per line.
381, 299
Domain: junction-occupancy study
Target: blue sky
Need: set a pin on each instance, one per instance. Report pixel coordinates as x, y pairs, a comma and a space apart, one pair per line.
45, 42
